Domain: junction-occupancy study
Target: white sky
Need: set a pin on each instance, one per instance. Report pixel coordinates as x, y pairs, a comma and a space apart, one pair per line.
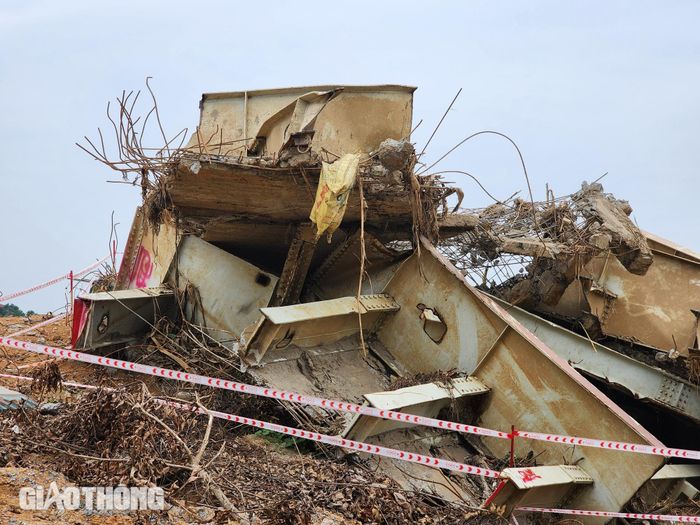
583, 87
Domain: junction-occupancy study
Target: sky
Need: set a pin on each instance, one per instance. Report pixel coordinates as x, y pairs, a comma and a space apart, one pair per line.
584, 88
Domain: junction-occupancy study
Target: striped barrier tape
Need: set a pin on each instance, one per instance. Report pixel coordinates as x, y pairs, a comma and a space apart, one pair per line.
608, 514
5, 298
66, 383
282, 395
342, 406
392, 453
39, 325
611, 445
34, 327
337, 441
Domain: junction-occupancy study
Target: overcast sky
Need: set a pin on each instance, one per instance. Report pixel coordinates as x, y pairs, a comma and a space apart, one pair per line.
583, 87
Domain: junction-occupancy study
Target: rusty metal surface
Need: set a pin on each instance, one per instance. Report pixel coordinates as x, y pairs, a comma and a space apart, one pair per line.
470, 332
232, 291
641, 380
531, 387
313, 324
123, 315
245, 185
655, 309
529, 390
296, 266
355, 120
338, 274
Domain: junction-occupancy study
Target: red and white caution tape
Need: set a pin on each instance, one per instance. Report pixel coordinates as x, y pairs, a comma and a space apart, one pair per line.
389, 452
39, 325
608, 514
336, 441
611, 445
7, 297
340, 406
282, 395
65, 383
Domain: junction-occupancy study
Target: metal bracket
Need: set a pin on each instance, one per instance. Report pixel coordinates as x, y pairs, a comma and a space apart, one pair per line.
422, 400
546, 486
673, 393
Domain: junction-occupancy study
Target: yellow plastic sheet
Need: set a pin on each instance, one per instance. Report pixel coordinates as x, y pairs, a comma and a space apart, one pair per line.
332, 194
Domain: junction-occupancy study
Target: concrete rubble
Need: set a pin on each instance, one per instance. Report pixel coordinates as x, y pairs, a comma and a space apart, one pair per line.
559, 316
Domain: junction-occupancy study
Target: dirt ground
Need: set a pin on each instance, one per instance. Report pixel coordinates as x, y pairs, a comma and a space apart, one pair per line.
17, 362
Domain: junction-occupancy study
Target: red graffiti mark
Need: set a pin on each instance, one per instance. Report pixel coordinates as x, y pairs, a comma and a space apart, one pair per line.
322, 195
142, 270
528, 475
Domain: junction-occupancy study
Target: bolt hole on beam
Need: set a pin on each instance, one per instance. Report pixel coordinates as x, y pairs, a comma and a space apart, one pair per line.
262, 279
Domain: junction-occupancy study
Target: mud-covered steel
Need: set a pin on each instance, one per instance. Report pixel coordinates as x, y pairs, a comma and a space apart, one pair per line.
550, 485
531, 386
122, 316
313, 324
231, 290
643, 381
655, 309
344, 119
424, 400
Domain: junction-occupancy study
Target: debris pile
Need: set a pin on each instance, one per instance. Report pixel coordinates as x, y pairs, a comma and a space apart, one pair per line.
126, 437
298, 243
535, 250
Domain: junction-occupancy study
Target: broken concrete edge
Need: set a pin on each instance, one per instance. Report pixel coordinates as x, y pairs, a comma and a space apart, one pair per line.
612, 215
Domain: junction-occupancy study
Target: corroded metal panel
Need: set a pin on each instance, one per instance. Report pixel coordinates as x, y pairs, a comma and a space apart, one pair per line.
338, 274
641, 380
531, 387
148, 253
654, 309
122, 316
353, 119
470, 330
231, 290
